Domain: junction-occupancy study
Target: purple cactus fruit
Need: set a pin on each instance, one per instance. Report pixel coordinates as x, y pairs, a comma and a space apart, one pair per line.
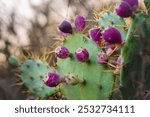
52, 80
112, 35
124, 10
133, 3
80, 23
82, 55
95, 35
65, 27
62, 52
102, 58
119, 61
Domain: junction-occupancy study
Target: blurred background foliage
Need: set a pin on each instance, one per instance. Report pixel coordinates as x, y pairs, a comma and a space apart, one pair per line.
32, 24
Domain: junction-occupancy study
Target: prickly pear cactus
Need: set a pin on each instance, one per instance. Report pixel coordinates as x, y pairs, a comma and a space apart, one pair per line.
95, 82
136, 55
88, 67
33, 71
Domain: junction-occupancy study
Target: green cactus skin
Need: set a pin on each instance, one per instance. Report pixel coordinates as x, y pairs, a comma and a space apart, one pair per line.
98, 83
32, 73
136, 55
110, 19
13, 60
147, 3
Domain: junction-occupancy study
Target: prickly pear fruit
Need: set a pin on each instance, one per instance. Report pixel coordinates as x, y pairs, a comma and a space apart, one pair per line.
112, 35
52, 80
95, 35
82, 55
62, 52
133, 3
124, 10
80, 23
65, 27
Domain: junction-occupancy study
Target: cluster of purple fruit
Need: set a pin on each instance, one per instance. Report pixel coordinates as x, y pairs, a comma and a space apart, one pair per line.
109, 39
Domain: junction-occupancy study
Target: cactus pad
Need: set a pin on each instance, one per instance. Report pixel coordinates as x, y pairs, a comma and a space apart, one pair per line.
32, 73
136, 53
13, 60
97, 83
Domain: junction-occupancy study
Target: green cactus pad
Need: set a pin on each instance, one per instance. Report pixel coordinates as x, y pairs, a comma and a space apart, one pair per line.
135, 53
32, 73
147, 3
111, 19
13, 60
98, 83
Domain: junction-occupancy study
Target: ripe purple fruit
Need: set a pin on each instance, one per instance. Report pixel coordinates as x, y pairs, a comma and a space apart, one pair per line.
62, 52
133, 3
80, 23
65, 27
119, 61
82, 55
124, 10
112, 35
52, 80
95, 35
102, 57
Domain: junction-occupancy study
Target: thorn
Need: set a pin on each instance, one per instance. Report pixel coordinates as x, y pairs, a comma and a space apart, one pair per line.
112, 65
91, 20
53, 62
17, 84
17, 75
86, 27
18, 80
55, 65
49, 61
102, 44
46, 57
28, 91
16, 69
116, 48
